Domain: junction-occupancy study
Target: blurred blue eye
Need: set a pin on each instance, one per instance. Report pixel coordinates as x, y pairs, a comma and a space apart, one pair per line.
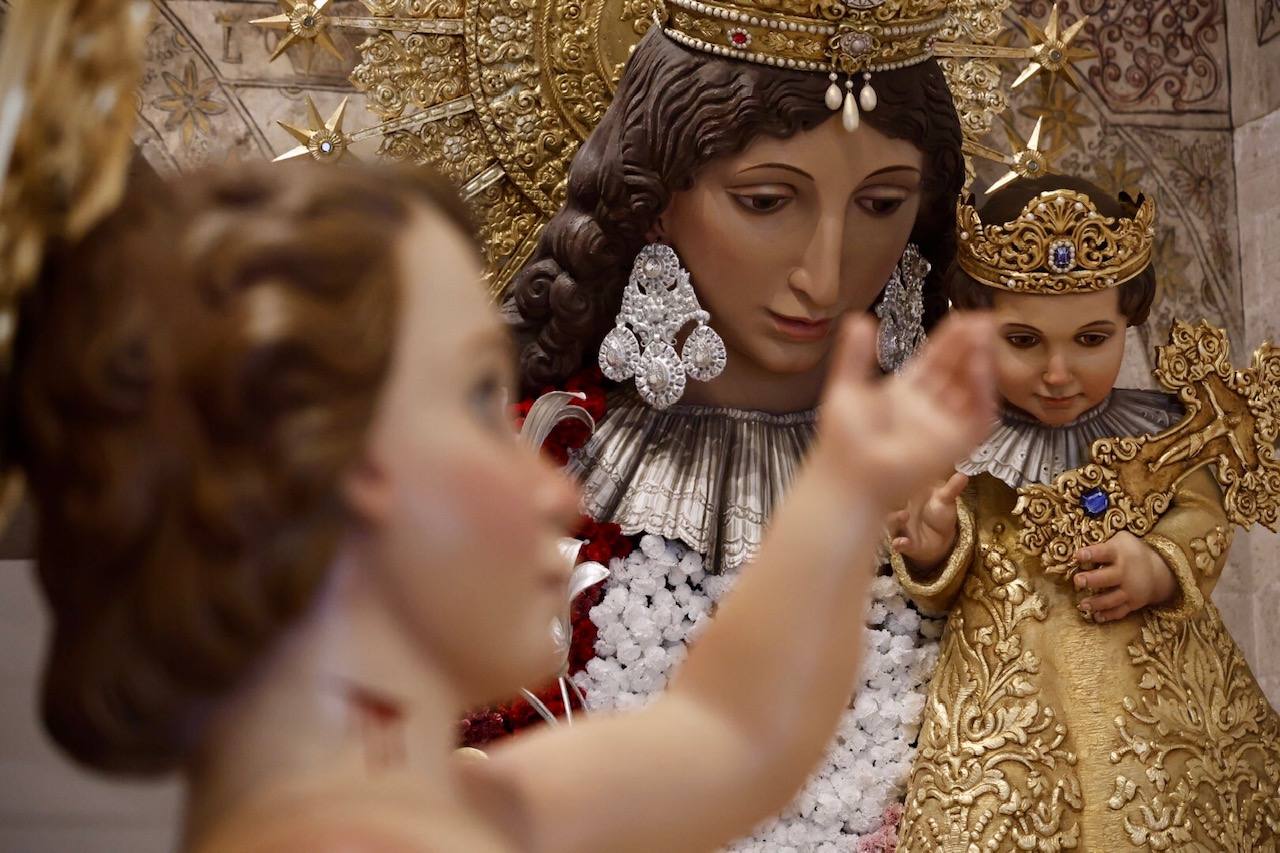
488, 400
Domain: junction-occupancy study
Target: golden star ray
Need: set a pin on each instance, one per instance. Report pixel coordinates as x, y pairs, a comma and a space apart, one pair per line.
1026, 160
324, 140
302, 21
1051, 49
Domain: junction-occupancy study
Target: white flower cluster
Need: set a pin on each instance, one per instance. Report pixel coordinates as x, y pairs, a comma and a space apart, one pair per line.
659, 597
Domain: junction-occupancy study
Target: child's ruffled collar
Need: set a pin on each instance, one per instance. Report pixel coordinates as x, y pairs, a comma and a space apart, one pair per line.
1022, 450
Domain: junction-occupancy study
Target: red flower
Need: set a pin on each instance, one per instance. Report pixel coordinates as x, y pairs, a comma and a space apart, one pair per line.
481, 727
587, 528
603, 543
884, 839
582, 647
597, 552
585, 379
568, 436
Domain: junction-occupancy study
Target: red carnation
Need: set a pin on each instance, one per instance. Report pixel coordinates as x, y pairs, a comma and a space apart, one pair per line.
481, 727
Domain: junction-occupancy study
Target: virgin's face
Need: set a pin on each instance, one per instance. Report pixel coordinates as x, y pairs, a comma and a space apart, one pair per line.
1059, 355
463, 520
784, 238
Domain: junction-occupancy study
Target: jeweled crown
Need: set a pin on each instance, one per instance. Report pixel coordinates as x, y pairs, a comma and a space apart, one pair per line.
835, 37
1059, 244
846, 36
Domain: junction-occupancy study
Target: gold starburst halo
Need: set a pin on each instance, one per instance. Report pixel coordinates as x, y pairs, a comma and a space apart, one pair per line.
1058, 244
324, 139
1052, 50
1025, 160
310, 23
500, 96
301, 21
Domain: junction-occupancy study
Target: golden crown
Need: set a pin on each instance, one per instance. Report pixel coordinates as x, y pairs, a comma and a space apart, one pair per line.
849, 36
1060, 243
832, 36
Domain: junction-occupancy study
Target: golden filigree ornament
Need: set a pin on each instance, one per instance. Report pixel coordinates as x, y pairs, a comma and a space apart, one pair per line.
323, 140
1051, 50
1231, 423
991, 731
499, 94
1058, 244
68, 71
309, 23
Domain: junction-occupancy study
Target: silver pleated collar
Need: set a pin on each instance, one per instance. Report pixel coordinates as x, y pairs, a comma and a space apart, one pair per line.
709, 477
1022, 450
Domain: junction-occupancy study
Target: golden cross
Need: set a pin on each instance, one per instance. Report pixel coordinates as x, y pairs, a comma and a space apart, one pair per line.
1231, 423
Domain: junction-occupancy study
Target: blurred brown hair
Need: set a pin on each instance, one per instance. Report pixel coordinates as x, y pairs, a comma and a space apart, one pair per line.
190, 382
1136, 295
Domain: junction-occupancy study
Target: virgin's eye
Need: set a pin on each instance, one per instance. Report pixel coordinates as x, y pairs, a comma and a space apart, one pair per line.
881, 206
1093, 339
762, 203
1022, 341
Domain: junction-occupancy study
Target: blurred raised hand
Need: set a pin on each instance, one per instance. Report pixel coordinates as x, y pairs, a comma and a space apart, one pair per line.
905, 433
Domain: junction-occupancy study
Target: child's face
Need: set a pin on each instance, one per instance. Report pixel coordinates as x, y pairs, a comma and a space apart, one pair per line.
1059, 355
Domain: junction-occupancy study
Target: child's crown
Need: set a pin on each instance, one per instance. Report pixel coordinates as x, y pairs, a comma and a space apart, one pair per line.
1059, 244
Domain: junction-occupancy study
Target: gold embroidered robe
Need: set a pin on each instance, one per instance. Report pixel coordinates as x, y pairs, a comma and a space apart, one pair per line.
1045, 732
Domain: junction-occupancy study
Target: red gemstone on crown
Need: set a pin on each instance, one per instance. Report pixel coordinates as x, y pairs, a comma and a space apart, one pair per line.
739, 38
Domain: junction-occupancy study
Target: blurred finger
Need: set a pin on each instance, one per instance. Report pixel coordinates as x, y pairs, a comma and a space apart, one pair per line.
854, 357
942, 354
900, 544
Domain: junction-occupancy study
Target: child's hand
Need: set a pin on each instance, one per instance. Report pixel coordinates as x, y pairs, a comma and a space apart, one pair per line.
895, 436
1132, 576
924, 532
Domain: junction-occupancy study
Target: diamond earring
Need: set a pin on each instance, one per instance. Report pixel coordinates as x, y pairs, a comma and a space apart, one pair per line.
901, 310
657, 303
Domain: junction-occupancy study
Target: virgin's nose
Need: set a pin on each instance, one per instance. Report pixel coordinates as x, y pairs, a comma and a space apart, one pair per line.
817, 279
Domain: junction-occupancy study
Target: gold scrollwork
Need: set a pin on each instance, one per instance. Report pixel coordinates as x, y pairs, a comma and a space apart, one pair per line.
1205, 738
993, 757
1231, 423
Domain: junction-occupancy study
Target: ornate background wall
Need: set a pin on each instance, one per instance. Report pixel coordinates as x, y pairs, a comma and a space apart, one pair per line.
1182, 101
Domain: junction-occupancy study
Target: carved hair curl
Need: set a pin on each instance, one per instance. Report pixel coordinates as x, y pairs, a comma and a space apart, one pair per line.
190, 382
676, 110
